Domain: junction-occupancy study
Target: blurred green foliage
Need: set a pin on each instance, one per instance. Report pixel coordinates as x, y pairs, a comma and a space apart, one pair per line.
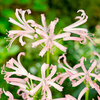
65, 10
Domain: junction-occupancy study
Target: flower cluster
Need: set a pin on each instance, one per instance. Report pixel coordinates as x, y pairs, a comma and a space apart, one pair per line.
45, 35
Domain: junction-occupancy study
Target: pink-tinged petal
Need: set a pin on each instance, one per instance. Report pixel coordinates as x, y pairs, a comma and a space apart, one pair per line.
27, 29
41, 33
78, 31
63, 77
43, 70
24, 93
82, 19
1, 92
69, 70
49, 95
82, 93
44, 96
7, 93
43, 51
95, 53
43, 21
60, 99
17, 15
53, 71
34, 77
90, 82
8, 74
61, 47
77, 66
58, 87
17, 66
52, 26
30, 36
16, 23
64, 60
21, 40
72, 38
82, 64
76, 75
15, 80
18, 57
12, 32
96, 76
62, 35
92, 66
97, 88
78, 82
35, 44
34, 90
69, 97
98, 97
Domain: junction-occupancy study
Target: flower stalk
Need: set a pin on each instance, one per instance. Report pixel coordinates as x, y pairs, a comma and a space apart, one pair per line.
48, 61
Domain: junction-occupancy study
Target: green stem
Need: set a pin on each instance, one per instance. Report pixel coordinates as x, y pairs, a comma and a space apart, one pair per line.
48, 54
87, 92
32, 88
87, 95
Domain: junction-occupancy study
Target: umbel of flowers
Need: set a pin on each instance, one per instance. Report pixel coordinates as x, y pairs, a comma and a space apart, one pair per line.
44, 35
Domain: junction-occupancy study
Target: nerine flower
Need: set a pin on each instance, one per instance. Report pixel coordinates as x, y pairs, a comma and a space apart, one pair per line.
86, 75
97, 97
45, 82
98, 55
27, 29
82, 32
9, 94
23, 84
69, 70
67, 97
1, 92
17, 67
48, 36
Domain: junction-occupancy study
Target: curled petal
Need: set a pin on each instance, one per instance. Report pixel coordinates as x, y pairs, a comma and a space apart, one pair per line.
82, 93
61, 47
53, 71
78, 82
82, 64
92, 66
43, 51
58, 87
34, 90
43, 69
7, 93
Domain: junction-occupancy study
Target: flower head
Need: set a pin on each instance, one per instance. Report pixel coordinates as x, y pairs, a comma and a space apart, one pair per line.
16, 66
48, 37
67, 97
85, 75
27, 29
45, 82
69, 70
82, 32
23, 84
9, 94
